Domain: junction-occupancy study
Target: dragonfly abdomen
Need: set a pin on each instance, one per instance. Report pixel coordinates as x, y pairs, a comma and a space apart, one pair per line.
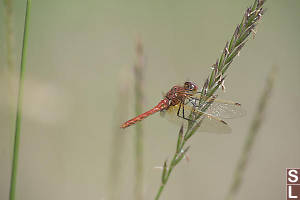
163, 104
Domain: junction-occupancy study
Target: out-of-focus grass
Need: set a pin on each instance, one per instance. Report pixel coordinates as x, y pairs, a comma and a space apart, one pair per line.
117, 145
250, 139
138, 76
14, 170
9, 36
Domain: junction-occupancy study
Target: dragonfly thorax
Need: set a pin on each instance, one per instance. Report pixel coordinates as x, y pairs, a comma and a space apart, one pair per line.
176, 95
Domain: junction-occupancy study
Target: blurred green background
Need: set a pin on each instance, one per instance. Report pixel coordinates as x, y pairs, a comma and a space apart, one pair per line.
79, 53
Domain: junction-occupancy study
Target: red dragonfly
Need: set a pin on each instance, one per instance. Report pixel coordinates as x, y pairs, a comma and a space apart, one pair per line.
182, 101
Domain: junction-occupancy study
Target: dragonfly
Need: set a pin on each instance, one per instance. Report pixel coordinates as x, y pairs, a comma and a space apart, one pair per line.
182, 104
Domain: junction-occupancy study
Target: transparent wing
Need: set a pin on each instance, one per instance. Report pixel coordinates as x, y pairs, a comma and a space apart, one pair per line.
209, 124
221, 108
226, 111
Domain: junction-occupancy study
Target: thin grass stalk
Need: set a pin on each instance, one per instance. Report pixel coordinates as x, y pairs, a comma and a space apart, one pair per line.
139, 93
118, 141
9, 36
214, 81
251, 137
13, 179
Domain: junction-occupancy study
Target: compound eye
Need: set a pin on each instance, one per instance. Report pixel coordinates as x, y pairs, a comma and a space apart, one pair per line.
192, 87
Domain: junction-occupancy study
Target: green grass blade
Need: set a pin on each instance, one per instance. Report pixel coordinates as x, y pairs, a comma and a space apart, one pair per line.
14, 170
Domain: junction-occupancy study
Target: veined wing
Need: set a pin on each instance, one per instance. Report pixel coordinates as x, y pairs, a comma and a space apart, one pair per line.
225, 111
209, 123
220, 108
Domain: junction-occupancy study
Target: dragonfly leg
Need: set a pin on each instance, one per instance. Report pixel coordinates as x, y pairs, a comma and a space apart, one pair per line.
196, 102
178, 111
193, 101
183, 111
190, 100
183, 117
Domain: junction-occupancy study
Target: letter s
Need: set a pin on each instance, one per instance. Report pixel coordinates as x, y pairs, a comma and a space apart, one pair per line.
293, 173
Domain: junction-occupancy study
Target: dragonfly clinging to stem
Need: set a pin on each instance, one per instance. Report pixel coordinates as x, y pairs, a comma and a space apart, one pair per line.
182, 101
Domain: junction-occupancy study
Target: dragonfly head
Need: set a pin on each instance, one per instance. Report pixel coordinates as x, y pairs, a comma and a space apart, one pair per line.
190, 86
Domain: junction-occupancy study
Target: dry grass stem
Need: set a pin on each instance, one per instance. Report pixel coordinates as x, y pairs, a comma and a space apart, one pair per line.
139, 93
250, 139
118, 140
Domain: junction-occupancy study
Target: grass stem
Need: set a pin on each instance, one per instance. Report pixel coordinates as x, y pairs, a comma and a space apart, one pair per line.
118, 140
14, 170
250, 139
138, 69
